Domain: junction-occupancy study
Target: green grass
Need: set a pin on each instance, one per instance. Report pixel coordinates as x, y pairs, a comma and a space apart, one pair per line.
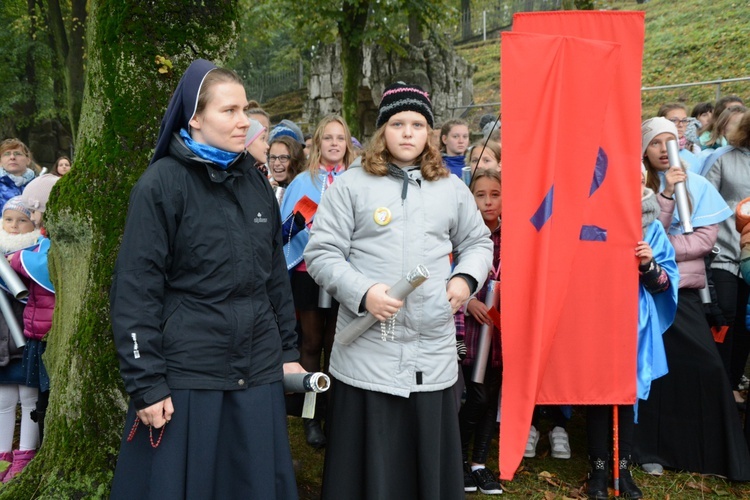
542, 477
688, 41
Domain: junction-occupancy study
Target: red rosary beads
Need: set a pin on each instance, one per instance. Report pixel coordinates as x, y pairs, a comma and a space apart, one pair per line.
131, 435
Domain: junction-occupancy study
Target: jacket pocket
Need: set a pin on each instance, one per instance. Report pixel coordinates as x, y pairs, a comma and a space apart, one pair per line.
169, 313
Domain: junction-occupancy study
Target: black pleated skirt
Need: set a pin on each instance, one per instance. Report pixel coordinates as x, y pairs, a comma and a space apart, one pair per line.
690, 421
387, 447
218, 445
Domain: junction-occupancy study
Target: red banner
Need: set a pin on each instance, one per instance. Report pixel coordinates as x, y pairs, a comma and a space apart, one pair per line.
571, 205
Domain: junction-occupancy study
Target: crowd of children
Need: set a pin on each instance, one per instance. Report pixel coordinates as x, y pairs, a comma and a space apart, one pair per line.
414, 403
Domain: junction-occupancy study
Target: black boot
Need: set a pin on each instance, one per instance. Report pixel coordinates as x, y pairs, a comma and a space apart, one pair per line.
598, 479
313, 433
628, 488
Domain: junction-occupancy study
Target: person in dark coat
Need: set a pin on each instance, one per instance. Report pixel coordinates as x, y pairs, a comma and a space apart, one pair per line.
201, 310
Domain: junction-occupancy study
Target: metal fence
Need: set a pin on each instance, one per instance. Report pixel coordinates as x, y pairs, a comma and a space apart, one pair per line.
716, 83
265, 86
486, 16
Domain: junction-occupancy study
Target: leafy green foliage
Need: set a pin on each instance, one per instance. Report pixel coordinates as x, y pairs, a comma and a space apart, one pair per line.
126, 96
27, 78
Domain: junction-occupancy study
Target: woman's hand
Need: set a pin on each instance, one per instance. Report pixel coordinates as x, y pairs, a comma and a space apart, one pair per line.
157, 414
380, 304
458, 292
293, 367
672, 177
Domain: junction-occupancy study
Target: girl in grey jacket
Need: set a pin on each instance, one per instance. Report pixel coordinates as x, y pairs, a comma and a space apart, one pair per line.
392, 426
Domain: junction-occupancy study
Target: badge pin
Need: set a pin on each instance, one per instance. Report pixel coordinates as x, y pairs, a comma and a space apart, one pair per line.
382, 216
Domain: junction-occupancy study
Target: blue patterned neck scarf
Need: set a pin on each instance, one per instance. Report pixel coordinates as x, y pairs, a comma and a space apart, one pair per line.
220, 157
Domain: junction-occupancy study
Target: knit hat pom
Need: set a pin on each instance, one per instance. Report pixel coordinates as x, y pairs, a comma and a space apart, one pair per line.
400, 97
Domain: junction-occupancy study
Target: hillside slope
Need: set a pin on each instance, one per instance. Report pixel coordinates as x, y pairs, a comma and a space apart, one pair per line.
696, 41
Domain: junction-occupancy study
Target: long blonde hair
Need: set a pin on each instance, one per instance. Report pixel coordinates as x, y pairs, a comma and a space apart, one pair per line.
376, 157
316, 158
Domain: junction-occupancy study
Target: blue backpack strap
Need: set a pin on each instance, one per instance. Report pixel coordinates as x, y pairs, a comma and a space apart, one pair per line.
711, 159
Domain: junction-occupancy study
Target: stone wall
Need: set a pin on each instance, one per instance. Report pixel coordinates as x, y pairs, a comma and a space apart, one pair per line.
439, 70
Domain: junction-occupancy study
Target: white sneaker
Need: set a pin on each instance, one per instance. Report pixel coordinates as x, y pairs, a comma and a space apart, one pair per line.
530, 451
653, 468
559, 443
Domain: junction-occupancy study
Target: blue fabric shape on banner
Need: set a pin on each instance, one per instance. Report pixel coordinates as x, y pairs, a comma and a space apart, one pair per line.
600, 172
593, 233
544, 212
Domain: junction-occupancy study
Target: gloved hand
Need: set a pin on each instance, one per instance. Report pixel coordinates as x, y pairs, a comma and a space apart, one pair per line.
461, 350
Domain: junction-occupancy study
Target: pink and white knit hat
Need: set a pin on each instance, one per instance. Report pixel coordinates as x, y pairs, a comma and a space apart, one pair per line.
400, 97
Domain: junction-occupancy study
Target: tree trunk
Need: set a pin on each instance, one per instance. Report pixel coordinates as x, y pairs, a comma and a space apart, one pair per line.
27, 109
584, 4
466, 32
74, 64
121, 111
415, 29
68, 47
351, 30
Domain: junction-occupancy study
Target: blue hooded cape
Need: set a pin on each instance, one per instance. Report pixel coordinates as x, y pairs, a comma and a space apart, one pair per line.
708, 205
655, 313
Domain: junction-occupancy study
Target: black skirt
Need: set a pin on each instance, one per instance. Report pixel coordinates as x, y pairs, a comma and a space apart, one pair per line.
387, 447
219, 444
690, 421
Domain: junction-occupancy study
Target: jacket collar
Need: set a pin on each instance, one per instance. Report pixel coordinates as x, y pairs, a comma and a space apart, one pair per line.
183, 154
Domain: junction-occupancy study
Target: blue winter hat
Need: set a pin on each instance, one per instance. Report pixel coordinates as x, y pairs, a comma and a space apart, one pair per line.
182, 105
287, 128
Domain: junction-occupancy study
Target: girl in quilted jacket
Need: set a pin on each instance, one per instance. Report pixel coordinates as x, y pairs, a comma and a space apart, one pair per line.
17, 233
31, 267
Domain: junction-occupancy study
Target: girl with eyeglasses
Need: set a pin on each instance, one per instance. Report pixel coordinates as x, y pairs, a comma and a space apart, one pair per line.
285, 160
676, 112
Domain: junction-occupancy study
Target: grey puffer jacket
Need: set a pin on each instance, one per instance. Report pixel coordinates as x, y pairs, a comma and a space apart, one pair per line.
365, 233
730, 175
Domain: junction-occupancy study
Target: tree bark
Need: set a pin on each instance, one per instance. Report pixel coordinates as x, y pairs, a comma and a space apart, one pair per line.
351, 30
74, 63
121, 112
68, 47
415, 28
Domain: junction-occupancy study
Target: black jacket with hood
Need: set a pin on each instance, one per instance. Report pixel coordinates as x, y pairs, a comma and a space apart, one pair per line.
200, 297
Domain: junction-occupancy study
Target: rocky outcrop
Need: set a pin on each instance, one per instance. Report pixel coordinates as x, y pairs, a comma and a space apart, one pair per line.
439, 70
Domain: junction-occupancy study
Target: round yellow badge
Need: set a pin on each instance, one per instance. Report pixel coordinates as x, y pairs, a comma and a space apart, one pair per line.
382, 216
